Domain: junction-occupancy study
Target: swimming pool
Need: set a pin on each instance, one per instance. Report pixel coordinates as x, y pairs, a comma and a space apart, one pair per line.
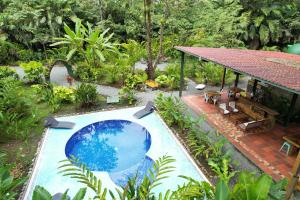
129, 144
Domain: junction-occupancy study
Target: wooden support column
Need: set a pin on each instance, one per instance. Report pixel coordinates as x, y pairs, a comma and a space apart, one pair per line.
223, 78
293, 180
181, 74
237, 77
254, 87
291, 108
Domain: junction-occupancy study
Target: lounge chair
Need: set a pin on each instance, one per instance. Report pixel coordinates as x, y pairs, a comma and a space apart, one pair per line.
53, 123
232, 105
223, 108
252, 124
149, 108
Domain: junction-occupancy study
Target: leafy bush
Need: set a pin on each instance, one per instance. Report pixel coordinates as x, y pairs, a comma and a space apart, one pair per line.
8, 51
34, 71
16, 113
64, 94
86, 95
212, 74
26, 55
8, 184
44, 92
8, 72
163, 80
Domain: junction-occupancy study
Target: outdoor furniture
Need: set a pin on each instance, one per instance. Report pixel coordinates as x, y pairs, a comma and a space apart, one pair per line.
251, 125
149, 108
206, 98
291, 141
50, 122
223, 108
286, 147
212, 96
239, 117
232, 105
200, 86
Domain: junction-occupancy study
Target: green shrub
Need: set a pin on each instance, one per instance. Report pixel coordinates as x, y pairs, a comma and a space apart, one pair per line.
44, 92
64, 94
26, 55
16, 113
8, 52
8, 72
212, 74
34, 71
86, 95
163, 80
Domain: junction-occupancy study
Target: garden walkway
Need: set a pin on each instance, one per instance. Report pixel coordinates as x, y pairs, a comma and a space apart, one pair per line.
59, 74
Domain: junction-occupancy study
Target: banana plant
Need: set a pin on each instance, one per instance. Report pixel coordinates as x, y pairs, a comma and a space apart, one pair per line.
41, 193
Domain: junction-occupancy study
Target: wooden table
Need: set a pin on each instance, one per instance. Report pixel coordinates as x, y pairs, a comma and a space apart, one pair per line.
293, 140
211, 94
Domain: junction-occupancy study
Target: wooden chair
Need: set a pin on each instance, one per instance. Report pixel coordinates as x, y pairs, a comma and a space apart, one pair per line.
223, 108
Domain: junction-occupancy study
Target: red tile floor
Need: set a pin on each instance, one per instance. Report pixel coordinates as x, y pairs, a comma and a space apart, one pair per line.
262, 148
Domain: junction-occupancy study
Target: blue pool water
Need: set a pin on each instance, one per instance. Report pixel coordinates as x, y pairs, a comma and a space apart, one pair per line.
115, 146
111, 145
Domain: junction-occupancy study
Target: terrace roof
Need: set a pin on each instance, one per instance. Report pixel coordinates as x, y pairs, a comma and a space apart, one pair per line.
276, 68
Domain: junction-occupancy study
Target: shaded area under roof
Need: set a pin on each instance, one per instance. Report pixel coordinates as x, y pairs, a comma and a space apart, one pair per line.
276, 68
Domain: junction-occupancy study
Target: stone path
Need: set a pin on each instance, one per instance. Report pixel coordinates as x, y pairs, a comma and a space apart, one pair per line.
59, 74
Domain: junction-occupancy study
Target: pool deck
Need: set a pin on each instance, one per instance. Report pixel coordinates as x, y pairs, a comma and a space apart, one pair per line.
261, 147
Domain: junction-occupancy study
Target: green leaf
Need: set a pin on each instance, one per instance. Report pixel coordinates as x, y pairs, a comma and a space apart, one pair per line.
259, 189
41, 193
70, 54
222, 191
80, 194
264, 34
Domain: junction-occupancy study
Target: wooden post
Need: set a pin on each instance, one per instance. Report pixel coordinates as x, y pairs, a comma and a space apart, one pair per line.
291, 108
237, 77
181, 74
254, 87
293, 181
223, 78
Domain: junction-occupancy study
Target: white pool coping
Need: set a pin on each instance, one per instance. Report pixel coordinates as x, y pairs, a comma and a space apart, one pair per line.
33, 173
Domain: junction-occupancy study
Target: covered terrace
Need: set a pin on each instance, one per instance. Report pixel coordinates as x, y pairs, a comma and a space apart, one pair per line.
275, 69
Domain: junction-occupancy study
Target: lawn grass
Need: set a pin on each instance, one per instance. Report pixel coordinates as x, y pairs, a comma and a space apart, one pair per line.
21, 152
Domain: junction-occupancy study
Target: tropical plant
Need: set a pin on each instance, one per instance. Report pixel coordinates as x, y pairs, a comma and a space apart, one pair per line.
8, 72
34, 71
132, 190
88, 42
15, 110
41, 193
86, 95
8, 184
63, 94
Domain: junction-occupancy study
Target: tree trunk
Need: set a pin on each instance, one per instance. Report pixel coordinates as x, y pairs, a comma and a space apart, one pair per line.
161, 33
148, 23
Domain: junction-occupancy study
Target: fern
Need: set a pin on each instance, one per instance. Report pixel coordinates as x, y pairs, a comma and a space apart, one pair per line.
83, 175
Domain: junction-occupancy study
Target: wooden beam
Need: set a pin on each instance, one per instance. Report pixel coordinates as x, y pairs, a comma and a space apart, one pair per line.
223, 78
294, 179
181, 74
291, 109
237, 77
254, 87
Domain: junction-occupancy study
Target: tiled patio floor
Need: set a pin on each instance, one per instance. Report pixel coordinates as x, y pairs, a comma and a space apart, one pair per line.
262, 147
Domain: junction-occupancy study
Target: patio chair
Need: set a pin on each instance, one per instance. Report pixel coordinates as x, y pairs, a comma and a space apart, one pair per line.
223, 109
206, 98
215, 99
50, 122
232, 105
149, 108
